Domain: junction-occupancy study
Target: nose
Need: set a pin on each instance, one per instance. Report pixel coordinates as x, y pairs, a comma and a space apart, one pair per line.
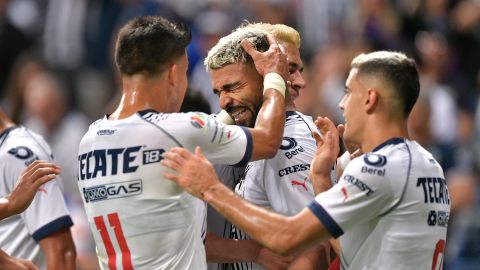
298, 83
341, 105
224, 100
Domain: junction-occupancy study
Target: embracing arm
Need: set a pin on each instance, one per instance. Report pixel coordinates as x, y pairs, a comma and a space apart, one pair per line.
284, 235
59, 250
224, 250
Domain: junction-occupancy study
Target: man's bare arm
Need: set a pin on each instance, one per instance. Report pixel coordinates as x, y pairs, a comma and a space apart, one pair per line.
224, 250
59, 250
283, 235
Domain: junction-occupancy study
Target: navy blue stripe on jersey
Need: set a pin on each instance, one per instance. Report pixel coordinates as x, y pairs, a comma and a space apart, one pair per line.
327, 221
248, 152
290, 113
5, 133
52, 227
145, 113
392, 141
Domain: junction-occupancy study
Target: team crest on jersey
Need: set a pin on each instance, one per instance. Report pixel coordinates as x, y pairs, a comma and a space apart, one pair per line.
112, 191
198, 121
375, 160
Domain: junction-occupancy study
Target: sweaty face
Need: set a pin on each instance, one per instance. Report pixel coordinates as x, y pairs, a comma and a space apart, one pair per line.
351, 105
295, 68
240, 91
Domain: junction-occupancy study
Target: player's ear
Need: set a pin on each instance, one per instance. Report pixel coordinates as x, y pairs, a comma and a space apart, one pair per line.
173, 75
372, 100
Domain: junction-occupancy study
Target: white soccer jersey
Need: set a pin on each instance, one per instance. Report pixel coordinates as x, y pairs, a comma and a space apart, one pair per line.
140, 220
281, 183
391, 208
47, 214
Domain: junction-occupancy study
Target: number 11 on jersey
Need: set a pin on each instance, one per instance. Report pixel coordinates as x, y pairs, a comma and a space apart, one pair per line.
114, 222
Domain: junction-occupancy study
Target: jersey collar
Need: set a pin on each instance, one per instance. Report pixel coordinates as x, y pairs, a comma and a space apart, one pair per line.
5, 133
290, 113
391, 141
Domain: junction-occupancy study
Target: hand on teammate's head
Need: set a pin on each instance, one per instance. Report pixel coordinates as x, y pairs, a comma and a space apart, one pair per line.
271, 61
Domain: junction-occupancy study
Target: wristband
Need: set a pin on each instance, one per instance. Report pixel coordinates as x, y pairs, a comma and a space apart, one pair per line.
274, 81
225, 118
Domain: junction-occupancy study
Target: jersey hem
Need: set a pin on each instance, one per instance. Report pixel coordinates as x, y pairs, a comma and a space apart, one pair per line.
52, 227
326, 219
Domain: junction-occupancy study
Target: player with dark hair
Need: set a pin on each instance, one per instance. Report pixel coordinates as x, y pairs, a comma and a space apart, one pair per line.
140, 220
390, 207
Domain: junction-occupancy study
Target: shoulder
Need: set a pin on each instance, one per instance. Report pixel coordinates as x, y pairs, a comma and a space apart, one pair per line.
192, 119
24, 144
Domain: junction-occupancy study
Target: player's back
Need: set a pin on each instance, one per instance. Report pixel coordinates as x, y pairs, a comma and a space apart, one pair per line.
139, 219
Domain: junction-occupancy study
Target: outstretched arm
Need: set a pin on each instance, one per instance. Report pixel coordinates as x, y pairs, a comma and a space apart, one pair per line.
34, 176
284, 235
224, 250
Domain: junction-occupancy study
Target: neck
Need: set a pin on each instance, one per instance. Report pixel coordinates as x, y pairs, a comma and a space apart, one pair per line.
5, 122
381, 131
290, 106
140, 93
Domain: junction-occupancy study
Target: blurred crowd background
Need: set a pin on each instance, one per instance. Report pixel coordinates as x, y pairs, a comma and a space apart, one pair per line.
57, 76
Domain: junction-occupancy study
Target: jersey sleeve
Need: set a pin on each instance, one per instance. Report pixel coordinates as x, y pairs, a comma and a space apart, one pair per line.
362, 194
48, 212
221, 144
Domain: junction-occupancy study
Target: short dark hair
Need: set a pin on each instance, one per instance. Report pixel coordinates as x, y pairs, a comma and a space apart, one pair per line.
146, 44
397, 69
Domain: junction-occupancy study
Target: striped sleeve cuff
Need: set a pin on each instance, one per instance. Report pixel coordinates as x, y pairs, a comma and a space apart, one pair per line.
326, 219
248, 152
52, 227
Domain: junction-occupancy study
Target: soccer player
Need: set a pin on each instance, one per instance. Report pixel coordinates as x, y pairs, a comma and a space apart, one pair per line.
390, 207
140, 220
280, 183
40, 234
25, 189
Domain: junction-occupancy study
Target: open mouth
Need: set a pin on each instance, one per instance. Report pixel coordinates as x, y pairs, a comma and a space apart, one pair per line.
237, 113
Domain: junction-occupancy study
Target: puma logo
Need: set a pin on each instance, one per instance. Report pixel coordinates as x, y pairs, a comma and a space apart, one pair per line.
345, 193
300, 183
